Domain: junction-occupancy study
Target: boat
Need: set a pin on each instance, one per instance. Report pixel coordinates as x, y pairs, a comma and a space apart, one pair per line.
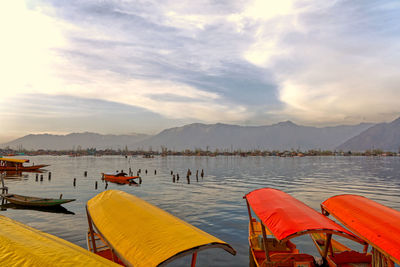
375, 223
21, 245
120, 178
52, 209
282, 218
9, 164
34, 201
131, 231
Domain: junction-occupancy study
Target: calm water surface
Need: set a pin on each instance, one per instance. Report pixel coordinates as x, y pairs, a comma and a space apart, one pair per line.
215, 203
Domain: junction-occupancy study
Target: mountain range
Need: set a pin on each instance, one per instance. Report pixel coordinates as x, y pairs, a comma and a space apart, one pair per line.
384, 136
281, 136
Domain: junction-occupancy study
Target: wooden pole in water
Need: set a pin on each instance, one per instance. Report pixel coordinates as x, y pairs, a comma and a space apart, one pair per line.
95, 185
155, 172
173, 178
74, 183
49, 176
41, 177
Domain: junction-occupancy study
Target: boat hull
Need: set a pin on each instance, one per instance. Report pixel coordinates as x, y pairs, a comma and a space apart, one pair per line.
22, 168
34, 201
120, 179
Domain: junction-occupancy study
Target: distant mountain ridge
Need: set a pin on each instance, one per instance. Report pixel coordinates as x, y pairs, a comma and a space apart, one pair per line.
75, 140
384, 136
281, 136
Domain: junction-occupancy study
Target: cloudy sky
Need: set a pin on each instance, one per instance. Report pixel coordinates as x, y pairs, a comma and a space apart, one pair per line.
143, 66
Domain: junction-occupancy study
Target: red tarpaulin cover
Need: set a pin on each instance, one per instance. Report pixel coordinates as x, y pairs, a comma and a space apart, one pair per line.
377, 224
285, 216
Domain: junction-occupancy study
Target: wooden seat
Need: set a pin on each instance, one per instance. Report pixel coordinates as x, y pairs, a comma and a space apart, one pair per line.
350, 257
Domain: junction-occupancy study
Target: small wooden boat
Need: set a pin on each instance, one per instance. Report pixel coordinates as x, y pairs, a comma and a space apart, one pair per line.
376, 224
131, 231
8, 164
121, 178
282, 218
34, 201
21, 245
51, 209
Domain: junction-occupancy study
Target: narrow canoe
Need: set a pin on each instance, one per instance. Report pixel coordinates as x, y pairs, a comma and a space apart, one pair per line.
140, 234
34, 201
120, 178
282, 218
375, 223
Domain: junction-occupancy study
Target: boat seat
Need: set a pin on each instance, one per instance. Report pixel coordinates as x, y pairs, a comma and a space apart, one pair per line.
350, 257
291, 259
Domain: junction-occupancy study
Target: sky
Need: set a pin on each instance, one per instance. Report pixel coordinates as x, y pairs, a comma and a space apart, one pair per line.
121, 67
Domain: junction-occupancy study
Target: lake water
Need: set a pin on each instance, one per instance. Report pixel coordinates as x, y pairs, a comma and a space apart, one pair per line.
215, 203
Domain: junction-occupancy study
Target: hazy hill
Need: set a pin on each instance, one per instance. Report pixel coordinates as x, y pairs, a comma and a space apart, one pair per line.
385, 136
74, 140
281, 136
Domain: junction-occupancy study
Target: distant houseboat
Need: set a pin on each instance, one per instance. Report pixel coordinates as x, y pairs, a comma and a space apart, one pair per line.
8, 164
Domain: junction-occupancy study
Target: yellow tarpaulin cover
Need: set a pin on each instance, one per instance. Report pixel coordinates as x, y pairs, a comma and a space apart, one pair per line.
14, 160
21, 245
142, 234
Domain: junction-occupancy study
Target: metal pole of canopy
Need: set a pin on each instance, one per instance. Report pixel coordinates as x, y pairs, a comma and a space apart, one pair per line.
327, 245
265, 242
91, 231
194, 257
250, 217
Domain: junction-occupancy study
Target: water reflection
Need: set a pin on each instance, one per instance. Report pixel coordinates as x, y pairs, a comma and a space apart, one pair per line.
214, 204
56, 209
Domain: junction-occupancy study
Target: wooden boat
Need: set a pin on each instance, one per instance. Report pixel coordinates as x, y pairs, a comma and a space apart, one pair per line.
21, 245
8, 164
133, 232
34, 201
282, 218
52, 209
120, 178
376, 224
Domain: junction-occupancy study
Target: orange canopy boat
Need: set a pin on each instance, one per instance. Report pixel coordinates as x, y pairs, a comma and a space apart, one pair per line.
377, 224
282, 217
8, 164
121, 178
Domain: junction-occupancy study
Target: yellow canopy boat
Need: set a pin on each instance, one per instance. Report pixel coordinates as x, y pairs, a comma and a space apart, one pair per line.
21, 245
140, 234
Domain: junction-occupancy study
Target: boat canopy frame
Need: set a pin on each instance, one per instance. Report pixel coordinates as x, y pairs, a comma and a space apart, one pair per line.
375, 223
278, 212
97, 206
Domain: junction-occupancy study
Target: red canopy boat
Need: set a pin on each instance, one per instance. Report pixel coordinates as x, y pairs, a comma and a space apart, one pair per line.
282, 217
377, 224
120, 178
8, 164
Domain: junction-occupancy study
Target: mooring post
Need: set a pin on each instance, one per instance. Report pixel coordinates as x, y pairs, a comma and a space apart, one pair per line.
74, 183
